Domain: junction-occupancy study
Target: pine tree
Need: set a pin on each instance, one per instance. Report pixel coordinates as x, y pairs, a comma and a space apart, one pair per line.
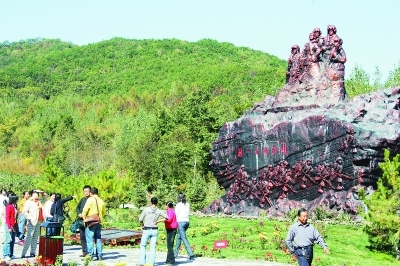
383, 215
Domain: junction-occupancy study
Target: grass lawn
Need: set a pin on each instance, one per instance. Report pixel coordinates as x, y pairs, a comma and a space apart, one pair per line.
262, 239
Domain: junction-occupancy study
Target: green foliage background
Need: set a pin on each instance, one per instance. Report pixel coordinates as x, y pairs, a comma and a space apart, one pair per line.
133, 117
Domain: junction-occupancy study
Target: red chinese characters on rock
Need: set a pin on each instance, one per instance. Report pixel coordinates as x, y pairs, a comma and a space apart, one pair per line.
240, 152
265, 150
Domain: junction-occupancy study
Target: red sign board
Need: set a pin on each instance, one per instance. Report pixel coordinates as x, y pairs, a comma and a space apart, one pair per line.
220, 244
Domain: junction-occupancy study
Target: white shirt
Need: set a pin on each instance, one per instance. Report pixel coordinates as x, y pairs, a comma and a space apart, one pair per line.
182, 211
47, 208
2, 206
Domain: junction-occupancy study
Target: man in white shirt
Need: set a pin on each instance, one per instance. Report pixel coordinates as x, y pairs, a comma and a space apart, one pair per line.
3, 197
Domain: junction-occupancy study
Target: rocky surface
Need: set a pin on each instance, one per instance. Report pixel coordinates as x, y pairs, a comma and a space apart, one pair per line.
309, 145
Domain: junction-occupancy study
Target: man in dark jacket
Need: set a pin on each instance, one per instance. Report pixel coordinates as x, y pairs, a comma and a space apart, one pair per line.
57, 211
79, 209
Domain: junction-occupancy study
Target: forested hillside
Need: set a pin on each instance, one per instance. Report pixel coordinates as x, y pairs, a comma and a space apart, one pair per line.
145, 111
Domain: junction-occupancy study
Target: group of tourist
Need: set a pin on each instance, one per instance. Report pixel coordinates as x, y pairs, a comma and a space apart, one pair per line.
16, 221
176, 222
23, 220
91, 209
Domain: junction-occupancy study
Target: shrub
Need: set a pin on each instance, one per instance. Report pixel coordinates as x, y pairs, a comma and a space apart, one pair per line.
382, 217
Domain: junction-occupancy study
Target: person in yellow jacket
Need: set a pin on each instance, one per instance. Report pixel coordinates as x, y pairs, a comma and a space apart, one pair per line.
94, 205
21, 218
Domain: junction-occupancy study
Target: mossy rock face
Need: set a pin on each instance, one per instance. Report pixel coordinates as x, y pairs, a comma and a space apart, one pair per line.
309, 145
296, 147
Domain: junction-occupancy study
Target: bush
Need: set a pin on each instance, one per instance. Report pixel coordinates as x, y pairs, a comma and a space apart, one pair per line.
196, 193
382, 217
322, 213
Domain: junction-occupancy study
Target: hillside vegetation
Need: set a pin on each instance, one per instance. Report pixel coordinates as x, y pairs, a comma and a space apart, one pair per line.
137, 116
142, 110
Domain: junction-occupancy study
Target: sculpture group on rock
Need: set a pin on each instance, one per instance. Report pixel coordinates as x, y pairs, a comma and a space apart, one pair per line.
318, 54
310, 145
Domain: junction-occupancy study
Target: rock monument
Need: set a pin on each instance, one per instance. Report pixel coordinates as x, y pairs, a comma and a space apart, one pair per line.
310, 145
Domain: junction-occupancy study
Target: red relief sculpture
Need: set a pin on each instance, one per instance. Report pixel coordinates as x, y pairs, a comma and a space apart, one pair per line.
349, 143
277, 182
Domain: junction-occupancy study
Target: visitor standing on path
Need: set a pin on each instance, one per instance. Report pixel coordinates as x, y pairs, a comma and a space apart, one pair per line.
149, 218
301, 237
57, 211
94, 206
47, 207
170, 226
10, 227
3, 197
33, 211
21, 218
182, 211
79, 210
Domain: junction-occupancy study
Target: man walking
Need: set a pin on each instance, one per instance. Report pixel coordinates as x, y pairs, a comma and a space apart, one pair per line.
301, 237
94, 205
79, 210
149, 218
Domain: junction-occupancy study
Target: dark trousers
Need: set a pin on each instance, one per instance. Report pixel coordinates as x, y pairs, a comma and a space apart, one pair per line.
304, 256
170, 245
82, 236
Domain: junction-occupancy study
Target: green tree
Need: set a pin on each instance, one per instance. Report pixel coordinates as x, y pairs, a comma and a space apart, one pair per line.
383, 215
196, 192
394, 77
358, 83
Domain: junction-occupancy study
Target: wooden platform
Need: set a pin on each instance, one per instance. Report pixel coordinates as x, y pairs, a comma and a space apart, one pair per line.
115, 235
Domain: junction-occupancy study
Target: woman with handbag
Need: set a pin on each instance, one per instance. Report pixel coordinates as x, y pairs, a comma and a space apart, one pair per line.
11, 227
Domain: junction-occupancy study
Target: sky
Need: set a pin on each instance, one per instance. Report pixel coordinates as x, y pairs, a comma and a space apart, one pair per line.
369, 28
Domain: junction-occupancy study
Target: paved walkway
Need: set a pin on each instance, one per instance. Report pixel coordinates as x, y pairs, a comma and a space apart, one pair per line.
130, 257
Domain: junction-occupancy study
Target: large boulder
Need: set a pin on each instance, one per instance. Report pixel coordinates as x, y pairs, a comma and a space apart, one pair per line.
308, 145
